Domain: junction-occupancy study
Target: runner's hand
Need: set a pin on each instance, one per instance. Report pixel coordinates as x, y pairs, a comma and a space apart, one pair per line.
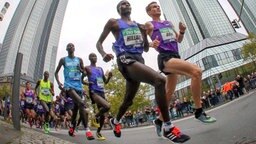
108, 57
155, 43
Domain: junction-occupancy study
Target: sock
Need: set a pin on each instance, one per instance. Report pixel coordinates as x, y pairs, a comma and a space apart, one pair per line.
158, 121
168, 125
116, 121
198, 112
87, 129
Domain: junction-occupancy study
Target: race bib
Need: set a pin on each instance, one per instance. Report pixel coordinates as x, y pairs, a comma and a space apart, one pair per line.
74, 75
57, 107
167, 34
40, 107
29, 99
45, 92
22, 103
100, 82
132, 37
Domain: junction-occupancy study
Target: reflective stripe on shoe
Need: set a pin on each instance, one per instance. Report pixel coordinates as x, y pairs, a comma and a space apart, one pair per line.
175, 135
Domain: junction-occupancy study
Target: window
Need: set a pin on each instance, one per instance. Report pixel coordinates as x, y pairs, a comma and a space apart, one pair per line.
209, 62
237, 54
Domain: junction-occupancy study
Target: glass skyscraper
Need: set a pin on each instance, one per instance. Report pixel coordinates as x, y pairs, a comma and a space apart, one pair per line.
0, 47
34, 31
204, 19
248, 15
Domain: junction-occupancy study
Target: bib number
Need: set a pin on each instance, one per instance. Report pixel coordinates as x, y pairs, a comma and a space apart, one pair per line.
74, 75
40, 107
45, 92
167, 34
22, 103
100, 82
132, 37
29, 99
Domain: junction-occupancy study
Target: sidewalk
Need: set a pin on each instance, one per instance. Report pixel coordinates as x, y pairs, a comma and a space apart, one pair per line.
8, 135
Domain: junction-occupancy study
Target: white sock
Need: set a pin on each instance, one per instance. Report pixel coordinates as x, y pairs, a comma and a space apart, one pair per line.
116, 121
168, 125
87, 129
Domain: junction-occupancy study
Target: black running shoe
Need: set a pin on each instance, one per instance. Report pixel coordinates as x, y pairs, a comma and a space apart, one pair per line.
175, 135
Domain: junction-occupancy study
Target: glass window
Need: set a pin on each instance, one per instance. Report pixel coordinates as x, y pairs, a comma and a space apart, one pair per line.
237, 54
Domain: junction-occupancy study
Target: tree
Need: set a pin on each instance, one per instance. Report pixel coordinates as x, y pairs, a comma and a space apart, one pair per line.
249, 49
115, 91
5, 91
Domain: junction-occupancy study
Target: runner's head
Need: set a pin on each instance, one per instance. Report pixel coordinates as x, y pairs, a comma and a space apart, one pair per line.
28, 85
93, 57
153, 9
46, 75
123, 7
70, 48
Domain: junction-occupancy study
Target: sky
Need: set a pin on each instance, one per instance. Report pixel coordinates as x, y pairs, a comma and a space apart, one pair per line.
84, 22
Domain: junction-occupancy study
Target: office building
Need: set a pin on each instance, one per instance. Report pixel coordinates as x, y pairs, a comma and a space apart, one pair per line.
34, 31
248, 13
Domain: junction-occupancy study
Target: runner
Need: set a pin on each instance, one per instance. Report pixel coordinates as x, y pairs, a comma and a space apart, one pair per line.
45, 95
73, 68
131, 40
165, 40
29, 96
97, 80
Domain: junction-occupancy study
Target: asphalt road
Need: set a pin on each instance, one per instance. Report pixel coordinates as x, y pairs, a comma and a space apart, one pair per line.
236, 124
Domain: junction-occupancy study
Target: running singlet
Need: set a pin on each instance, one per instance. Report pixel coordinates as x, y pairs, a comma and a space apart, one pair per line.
29, 96
72, 74
129, 40
166, 35
96, 79
45, 93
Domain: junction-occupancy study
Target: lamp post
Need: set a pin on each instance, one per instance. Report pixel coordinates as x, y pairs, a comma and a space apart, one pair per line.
16, 92
239, 18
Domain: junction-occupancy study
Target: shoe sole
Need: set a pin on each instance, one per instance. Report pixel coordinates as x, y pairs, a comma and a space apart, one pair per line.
206, 123
90, 138
99, 139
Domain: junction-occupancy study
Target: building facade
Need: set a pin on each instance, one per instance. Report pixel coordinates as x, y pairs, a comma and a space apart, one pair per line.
210, 40
1, 47
34, 31
248, 13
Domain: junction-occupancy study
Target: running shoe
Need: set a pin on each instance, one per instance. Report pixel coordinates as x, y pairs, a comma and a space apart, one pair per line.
204, 118
71, 132
94, 123
158, 126
46, 128
175, 135
99, 136
89, 135
116, 128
